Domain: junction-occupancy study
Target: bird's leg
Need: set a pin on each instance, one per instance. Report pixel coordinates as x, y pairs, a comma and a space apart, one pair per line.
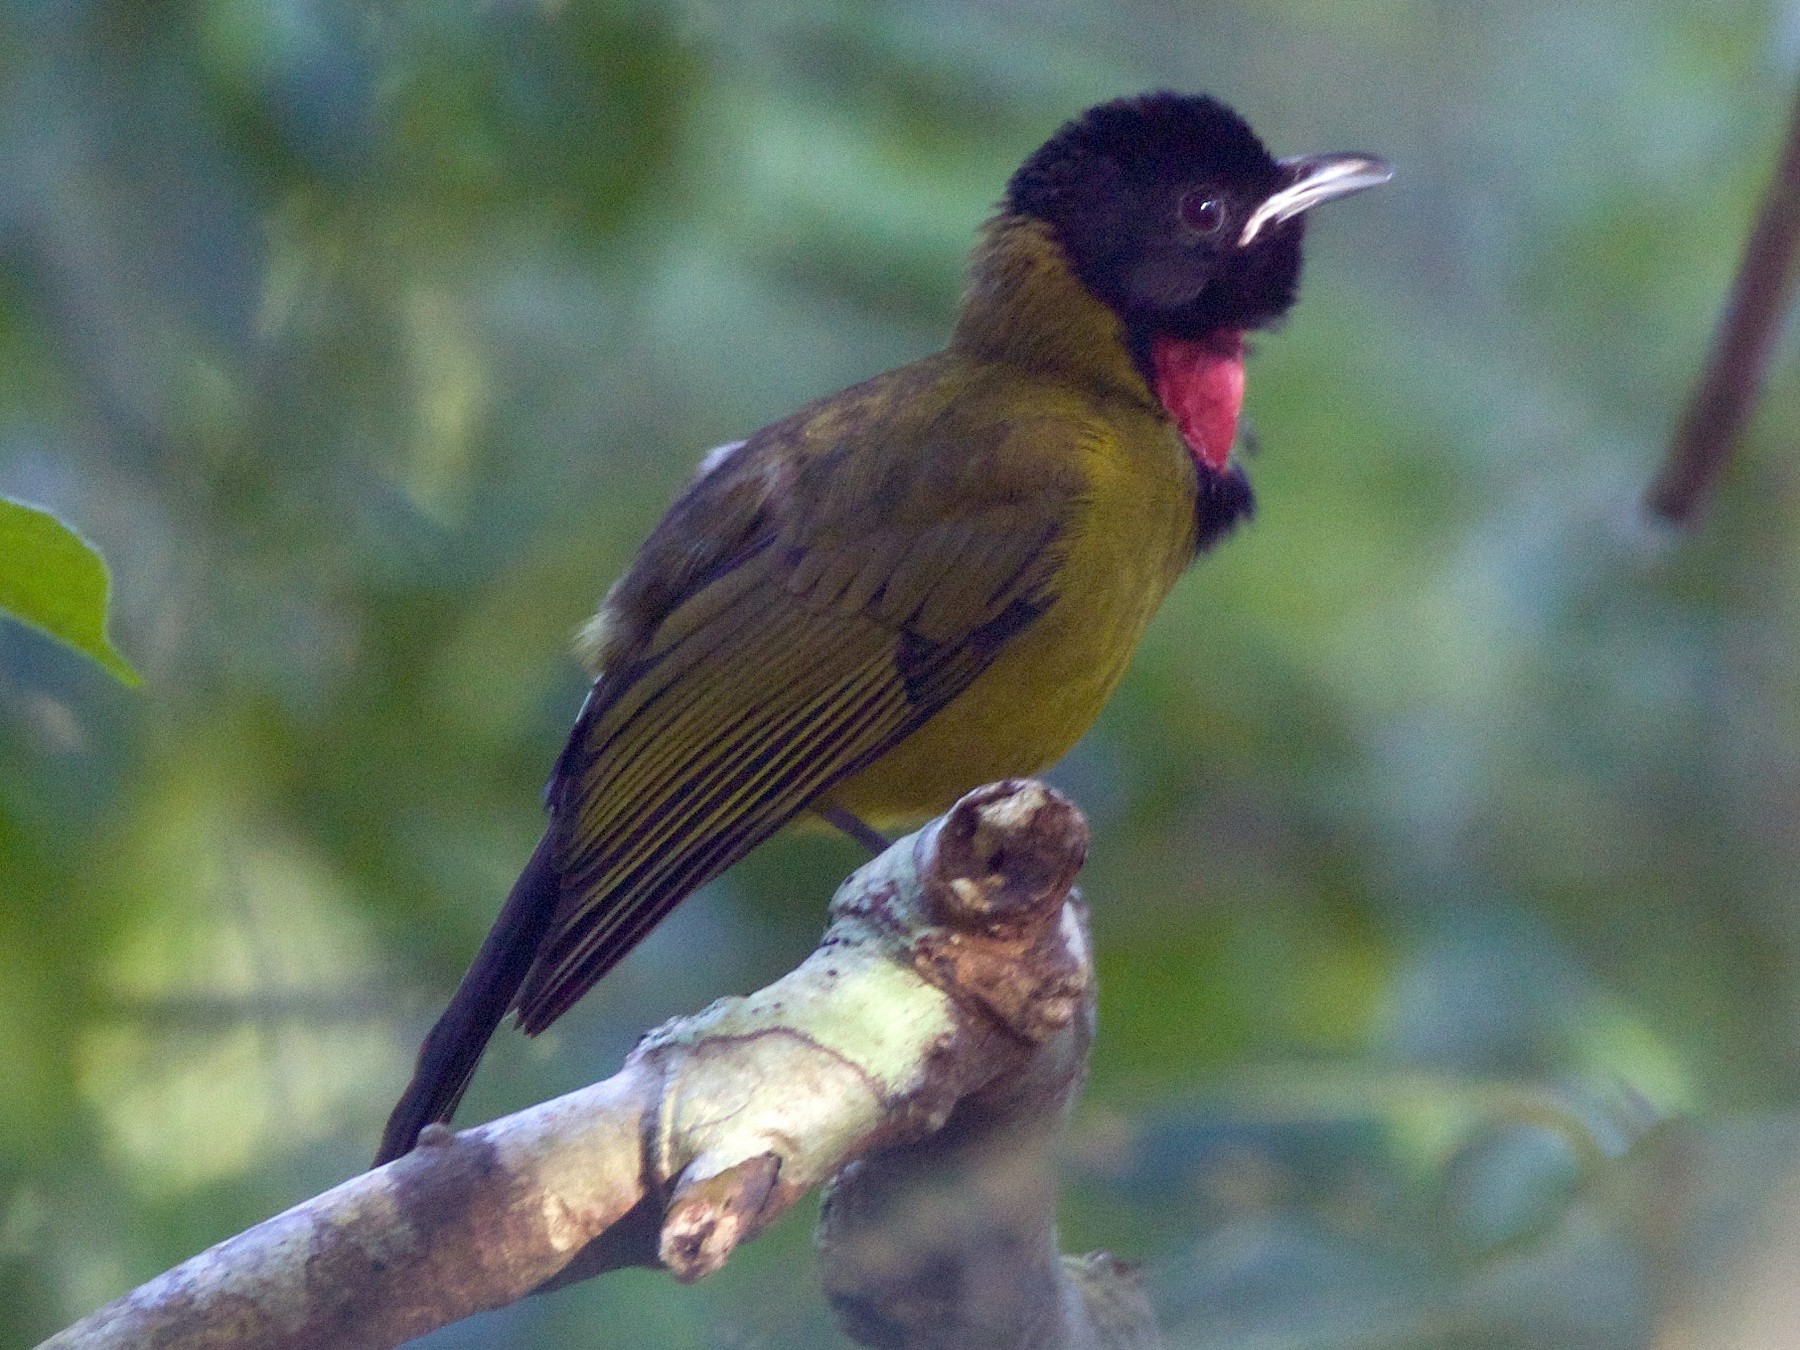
855, 827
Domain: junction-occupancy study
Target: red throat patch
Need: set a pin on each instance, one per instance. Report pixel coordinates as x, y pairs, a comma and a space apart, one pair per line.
1201, 383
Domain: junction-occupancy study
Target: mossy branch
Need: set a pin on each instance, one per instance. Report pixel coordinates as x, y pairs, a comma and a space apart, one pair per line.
918, 1063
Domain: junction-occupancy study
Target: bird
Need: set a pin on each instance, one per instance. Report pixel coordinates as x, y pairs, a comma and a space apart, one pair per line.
926, 582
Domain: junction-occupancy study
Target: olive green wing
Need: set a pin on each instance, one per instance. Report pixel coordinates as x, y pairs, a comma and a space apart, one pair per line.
845, 601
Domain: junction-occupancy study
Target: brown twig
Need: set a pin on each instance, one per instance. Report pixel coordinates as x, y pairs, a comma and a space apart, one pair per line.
1728, 387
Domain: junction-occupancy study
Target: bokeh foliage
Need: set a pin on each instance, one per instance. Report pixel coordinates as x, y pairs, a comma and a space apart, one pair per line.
51, 579
1444, 873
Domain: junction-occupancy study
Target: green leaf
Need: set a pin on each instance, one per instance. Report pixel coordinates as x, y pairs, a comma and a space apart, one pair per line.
53, 579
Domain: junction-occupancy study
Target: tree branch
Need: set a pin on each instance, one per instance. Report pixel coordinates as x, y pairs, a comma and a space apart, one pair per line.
923, 1056
1728, 387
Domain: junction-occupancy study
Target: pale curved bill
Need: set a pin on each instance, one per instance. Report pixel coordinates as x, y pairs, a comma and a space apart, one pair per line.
1316, 179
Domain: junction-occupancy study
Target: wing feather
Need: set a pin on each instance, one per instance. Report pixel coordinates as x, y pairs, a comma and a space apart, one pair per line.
807, 640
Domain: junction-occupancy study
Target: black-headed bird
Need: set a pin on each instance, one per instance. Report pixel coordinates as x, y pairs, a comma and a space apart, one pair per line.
929, 581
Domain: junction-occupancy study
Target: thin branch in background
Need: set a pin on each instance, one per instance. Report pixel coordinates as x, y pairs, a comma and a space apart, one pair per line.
1733, 377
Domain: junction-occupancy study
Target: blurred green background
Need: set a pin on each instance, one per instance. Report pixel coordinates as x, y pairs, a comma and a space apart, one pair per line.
1445, 854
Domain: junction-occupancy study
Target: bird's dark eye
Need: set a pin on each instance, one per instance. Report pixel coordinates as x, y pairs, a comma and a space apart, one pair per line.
1203, 214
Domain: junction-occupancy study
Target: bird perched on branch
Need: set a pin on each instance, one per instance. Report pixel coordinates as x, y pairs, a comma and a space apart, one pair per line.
924, 583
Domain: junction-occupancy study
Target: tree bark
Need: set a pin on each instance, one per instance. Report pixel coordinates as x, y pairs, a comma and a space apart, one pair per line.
919, 1063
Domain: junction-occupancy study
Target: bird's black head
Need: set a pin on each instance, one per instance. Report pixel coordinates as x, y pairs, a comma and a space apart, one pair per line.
1172, 213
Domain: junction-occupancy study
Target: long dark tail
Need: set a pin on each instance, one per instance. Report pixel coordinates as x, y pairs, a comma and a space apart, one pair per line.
452, 1049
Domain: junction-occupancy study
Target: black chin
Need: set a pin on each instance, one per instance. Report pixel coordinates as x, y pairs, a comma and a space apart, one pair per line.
1223, 501
1253, 289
